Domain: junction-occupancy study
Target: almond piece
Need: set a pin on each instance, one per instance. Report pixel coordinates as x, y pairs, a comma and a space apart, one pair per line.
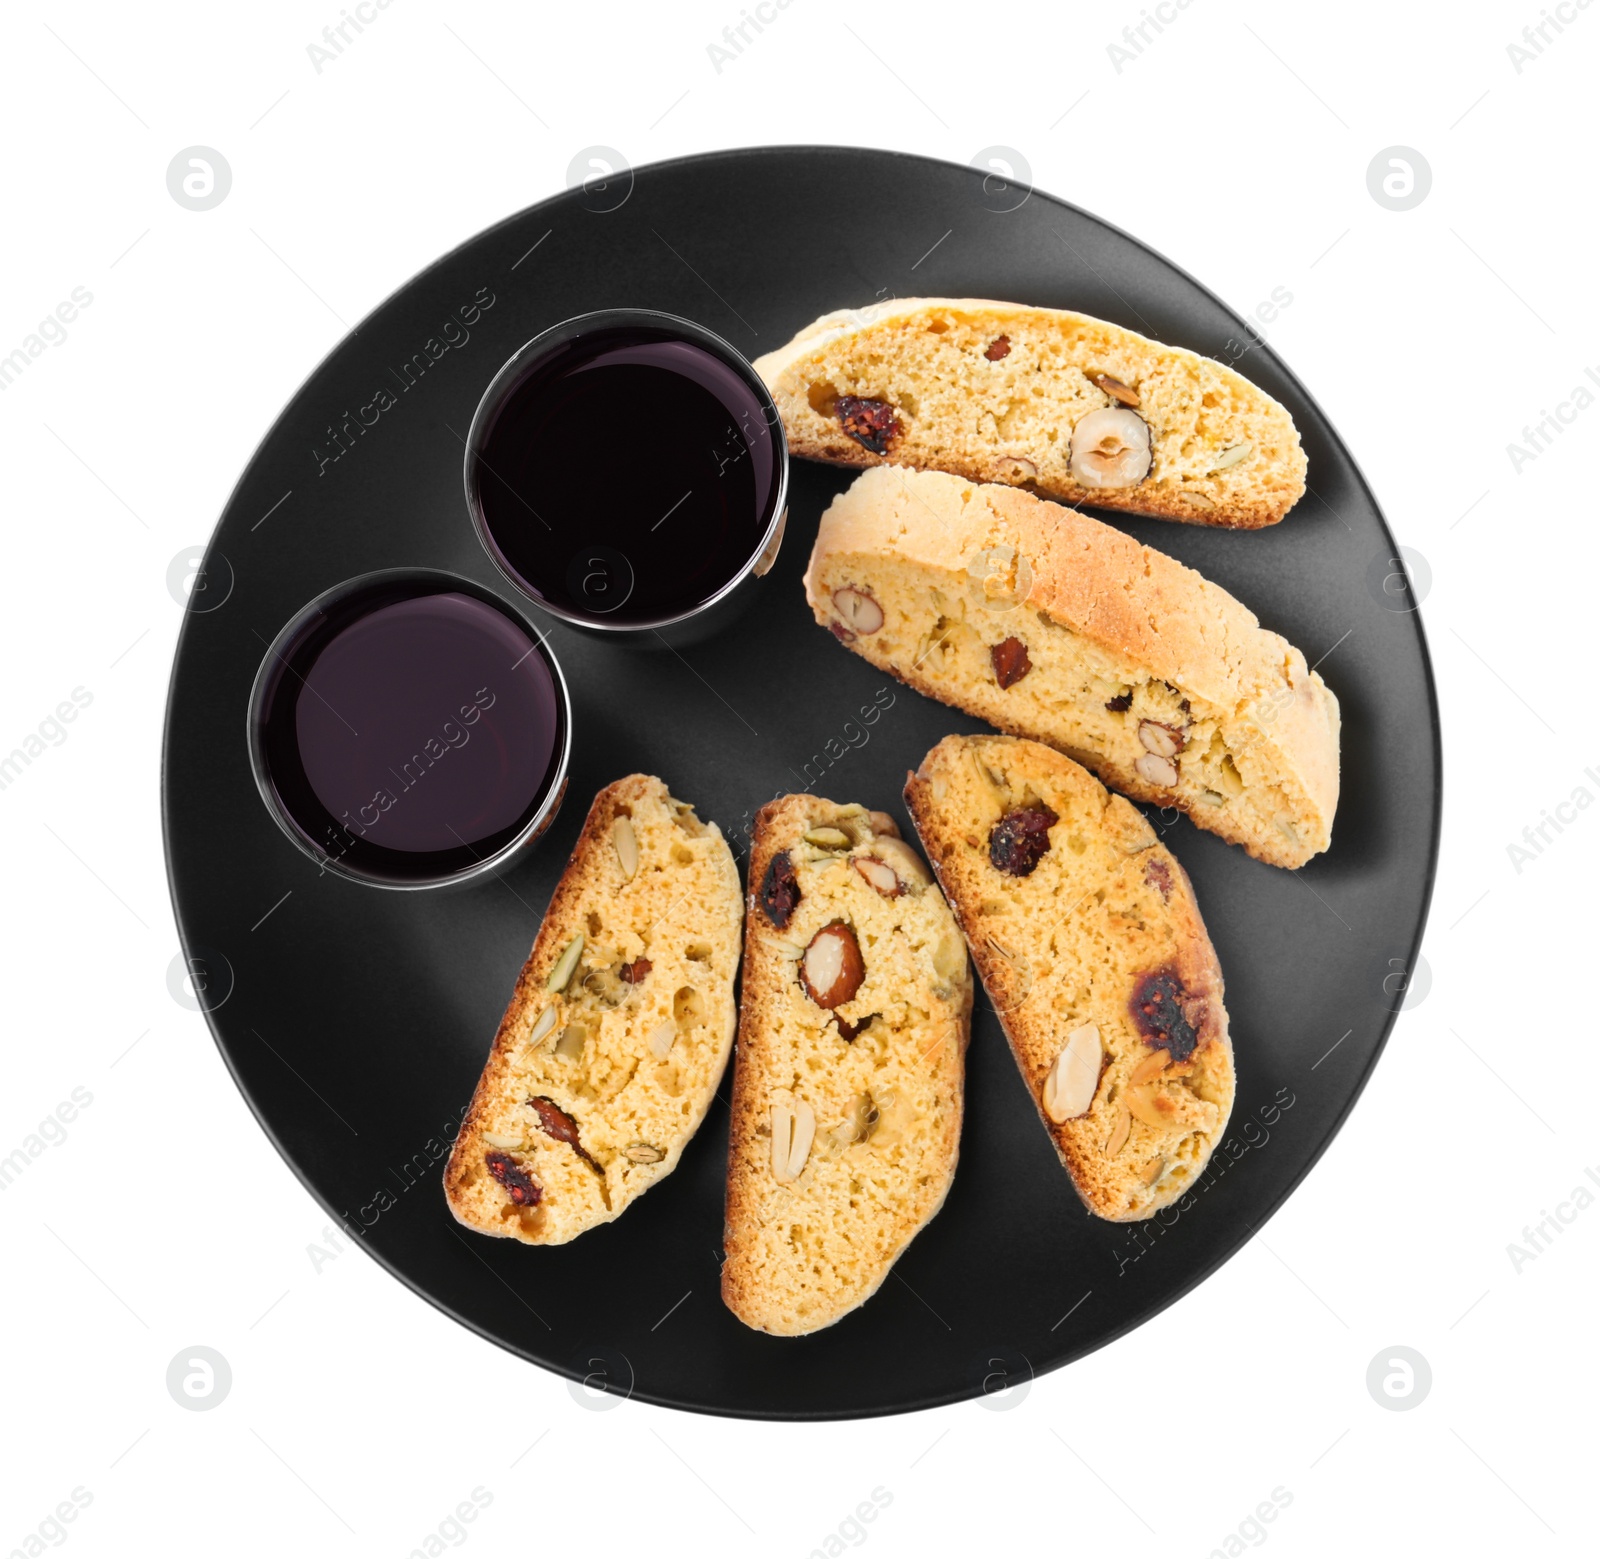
1069, 1085
831, 970
858, 608
805, 1131
1163, 740
1152, 1170
1157, 770
627, 843
794, 1128
782, 1140
1121, 1125
906, 864
880, 875
1233, 455
884, 825
1145, 1104
1123, 394
661, 1038
559, 1126
1151, 1067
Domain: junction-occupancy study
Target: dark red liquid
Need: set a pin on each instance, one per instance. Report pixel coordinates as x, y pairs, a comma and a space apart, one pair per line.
412, 735
629, 477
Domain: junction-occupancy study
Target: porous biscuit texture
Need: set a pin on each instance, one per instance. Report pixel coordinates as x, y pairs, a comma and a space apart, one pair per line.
1051, 625
618, 1031
1090, 944
999, 392
847, 1095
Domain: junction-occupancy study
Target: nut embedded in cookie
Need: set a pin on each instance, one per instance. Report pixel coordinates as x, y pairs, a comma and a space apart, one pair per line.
1110, 448
832, 969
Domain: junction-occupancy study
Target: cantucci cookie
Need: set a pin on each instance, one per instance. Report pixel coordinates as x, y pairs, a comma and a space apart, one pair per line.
618, 1031
1090, 944
847, 1093
1050, 625
1069, 406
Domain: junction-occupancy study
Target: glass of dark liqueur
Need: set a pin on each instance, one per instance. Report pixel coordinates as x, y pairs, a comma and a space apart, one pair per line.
627, 471
409, 729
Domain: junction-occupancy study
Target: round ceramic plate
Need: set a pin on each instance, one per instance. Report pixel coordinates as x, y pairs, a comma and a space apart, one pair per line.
355, 1020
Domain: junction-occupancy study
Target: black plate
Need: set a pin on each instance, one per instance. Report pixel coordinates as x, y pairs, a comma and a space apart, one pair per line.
355, 1021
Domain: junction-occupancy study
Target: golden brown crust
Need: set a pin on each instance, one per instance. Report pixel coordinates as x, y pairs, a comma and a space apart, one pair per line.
1014, 563
1009, 420
1130, 917
790, 1051
616, 1089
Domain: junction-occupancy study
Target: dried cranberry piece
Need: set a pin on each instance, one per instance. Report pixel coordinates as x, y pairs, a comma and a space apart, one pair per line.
779, 890
635, 972
1010, 661
1123, 701
872, 424
1159, 875
520, 1185
1017, 843
997, 348
558, 1124
1167, 1013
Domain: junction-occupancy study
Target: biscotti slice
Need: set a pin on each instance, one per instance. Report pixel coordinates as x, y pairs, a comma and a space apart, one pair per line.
1091, 947
618, 1031
1050, 625
1066, 405
847, 1090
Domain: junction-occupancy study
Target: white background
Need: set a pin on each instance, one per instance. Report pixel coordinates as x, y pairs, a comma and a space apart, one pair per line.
1237, 143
